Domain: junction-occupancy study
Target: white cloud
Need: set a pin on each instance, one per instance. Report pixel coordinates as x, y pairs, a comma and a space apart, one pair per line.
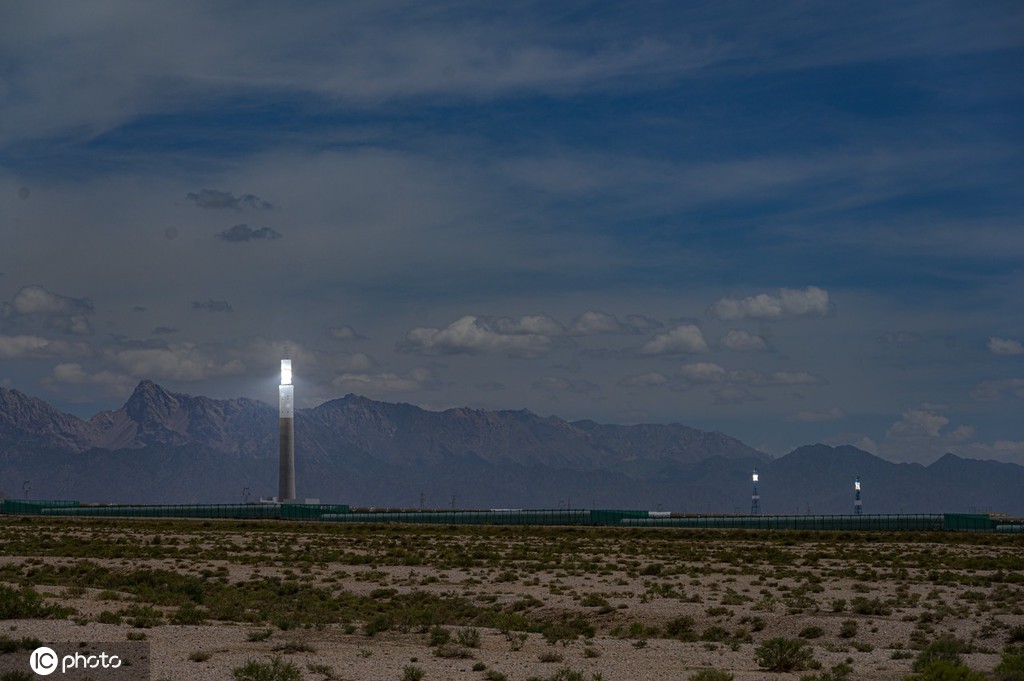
922, 435
37, 347
52, 310
703, 372
962, 433
786, 304
345, 332
647, 380
1005, 346
418, 378
987, 391
355, 361
529, 324
917, 422
791, 378
564, 385
1002, 450
858, 440
593, 322
473, 335
685, 338
731, 386
734, 394
177, 362
739, 340
833, 414
73, 373
219, 200
642, 324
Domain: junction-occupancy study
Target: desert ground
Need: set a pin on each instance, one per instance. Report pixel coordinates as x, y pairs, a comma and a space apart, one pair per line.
328, 601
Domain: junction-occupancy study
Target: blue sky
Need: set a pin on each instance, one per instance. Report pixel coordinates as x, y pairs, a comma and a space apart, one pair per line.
792, 222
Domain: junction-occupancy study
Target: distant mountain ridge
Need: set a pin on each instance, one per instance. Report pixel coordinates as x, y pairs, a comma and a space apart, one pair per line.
162, 446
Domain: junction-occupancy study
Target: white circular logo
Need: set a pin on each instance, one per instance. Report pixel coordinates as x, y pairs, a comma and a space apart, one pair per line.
43, 661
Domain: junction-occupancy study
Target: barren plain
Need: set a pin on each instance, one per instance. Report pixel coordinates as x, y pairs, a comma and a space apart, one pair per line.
236, 599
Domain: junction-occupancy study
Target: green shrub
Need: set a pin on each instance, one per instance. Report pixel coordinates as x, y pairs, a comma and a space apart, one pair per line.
376, 625
275, 669
18, 676
840, 672
811, 632
681, 628
869, 606
848, 629
946, 649
188, 614
439, 636
715, 633
1010, 668
411, 673
10, 645
469, 638
943, 670
711, 675
594, 601
452, 652
25, 603
783, 655
565, 630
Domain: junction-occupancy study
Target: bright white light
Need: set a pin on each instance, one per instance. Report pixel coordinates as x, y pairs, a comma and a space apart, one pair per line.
286, 372
755, 476
856, 485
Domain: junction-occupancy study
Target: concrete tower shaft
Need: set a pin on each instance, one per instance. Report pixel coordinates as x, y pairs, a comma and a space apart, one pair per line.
286, 470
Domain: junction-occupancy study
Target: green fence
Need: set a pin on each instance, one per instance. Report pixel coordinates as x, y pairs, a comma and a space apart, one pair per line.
242, 511
872, 523
341, 513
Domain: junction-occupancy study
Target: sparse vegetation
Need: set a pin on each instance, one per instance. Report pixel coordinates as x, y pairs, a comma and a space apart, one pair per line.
412, 673
274, 669
783, 655
444, 586
712, 675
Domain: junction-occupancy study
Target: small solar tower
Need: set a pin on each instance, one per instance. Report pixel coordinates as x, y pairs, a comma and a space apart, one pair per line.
755, 498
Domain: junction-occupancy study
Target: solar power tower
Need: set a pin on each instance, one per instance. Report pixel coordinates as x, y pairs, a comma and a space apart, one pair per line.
856, 496
755, 498
286, 470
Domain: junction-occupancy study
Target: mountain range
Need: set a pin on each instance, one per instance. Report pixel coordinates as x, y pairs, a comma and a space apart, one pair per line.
167, 447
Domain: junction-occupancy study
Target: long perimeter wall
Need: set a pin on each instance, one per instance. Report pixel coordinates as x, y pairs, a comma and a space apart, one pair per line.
340, 513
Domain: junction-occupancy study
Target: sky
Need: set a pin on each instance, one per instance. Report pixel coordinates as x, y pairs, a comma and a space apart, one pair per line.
792, 222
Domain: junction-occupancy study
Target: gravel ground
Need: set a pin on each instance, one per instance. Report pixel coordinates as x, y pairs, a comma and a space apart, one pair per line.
748, 593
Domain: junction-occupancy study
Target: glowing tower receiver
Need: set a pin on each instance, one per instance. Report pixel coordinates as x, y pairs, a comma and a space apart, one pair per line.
755, 498
856, 496
286, 470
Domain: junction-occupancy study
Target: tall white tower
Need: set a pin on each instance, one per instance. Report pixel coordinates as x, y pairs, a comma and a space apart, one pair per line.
856, 496
286, 471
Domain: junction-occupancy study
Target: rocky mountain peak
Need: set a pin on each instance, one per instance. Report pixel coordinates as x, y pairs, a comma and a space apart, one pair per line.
150, 402
28, 420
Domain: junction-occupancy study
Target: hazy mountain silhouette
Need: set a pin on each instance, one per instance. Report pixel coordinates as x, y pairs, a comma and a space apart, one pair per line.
162, 446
